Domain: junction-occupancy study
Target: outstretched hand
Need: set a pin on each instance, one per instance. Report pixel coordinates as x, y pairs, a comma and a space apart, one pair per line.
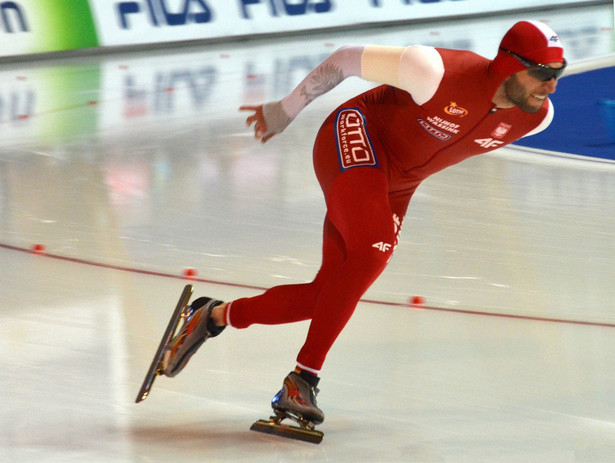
260, 126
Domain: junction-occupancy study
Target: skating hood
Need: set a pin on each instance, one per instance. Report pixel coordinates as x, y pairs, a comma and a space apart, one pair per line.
532, 40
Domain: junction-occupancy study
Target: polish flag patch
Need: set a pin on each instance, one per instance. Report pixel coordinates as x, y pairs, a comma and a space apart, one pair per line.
501, 130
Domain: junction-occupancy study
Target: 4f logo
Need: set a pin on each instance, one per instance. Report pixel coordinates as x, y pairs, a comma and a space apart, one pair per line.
386, 247
381, 246
488, 143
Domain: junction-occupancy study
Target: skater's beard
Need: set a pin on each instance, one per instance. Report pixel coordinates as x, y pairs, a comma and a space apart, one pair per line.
524, 99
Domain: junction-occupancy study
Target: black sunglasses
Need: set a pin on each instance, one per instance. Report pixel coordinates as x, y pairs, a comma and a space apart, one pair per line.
539, 71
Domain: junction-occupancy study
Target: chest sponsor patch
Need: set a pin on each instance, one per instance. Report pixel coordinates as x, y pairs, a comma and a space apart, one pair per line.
433, 131
353, 145
454, 110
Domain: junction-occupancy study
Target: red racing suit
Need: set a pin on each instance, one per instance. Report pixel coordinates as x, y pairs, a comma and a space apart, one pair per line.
459, 121
370, 155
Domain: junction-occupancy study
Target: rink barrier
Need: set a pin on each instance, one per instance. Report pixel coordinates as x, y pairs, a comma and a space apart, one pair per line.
30, 27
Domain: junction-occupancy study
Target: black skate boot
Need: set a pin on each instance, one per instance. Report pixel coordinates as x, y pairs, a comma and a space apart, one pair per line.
197, 328
295, 401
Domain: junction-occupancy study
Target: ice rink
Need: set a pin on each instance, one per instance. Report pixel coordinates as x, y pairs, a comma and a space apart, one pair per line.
128, 169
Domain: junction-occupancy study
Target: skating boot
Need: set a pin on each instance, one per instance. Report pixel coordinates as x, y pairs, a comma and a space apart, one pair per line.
295, 401
197, 328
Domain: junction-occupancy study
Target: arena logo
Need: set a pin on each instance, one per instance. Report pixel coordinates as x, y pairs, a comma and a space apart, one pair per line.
158, 12
288, 7
147, 95
379, 3
12, 18
17, 105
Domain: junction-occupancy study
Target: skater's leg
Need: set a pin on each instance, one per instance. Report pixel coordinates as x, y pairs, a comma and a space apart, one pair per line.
358, 206
289, 303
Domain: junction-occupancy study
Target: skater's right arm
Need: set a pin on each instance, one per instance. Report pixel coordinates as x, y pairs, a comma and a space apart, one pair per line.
272, 118
415, 69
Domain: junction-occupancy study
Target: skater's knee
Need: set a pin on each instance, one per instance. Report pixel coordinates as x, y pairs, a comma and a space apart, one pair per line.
372, 256
375, 248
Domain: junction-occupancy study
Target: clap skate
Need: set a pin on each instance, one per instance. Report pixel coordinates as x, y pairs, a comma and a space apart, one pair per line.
296, 401
175, 350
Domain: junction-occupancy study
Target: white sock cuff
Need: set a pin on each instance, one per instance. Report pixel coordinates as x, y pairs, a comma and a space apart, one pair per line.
308, 369
227, 315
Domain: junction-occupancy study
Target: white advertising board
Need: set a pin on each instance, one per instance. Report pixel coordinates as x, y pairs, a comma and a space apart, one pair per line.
203, 88
40, 26
125, 22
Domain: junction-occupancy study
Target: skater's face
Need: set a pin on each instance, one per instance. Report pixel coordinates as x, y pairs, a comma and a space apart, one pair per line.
528, 90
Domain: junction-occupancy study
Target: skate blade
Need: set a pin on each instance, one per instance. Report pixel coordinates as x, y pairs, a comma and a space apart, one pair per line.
288, 431
155, 368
